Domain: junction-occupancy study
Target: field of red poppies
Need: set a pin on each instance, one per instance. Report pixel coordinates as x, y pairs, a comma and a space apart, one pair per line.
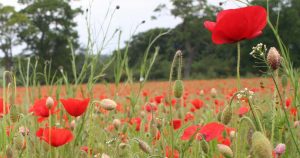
227, 118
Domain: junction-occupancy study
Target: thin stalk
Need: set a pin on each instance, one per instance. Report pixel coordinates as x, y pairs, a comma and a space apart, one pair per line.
257, 120
238, 65
286, 115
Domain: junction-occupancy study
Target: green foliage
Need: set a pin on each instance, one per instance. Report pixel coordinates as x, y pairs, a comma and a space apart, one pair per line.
52, 27
11, 24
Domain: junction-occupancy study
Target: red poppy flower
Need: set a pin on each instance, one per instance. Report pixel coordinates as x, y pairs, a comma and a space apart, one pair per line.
2, 108
212, 130
189, 132
40, 109
176, 123
158, 99
75, 107
234, 25
288, 102
136, 121
197, 103
169, 153
150, 108
188, 117
243, 110
55, 137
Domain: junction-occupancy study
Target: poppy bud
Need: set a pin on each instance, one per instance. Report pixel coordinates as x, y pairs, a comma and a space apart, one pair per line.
204, 146
73, 124
261, 146
280, 149
104, 155
144, 146
284, 81
122, 145
226, 115
249, 136
178, 89
232, 134
273, 58
116, 123
49, 102
296, 124
213, 92
142, 113
108, 104
225, 150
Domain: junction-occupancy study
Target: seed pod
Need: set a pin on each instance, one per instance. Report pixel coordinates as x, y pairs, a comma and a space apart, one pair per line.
178, 89
144, 146
117, 123
108, 104
284, 81
273, 58
14, 114
49, 102
225, 150
204, 146
261, 146
226, 115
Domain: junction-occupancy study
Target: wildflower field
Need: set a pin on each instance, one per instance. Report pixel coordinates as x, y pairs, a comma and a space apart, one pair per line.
75, 113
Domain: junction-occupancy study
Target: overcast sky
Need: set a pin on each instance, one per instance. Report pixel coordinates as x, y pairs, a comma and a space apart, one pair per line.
130, 15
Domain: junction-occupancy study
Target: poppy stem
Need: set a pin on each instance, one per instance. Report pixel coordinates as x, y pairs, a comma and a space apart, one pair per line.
238, 65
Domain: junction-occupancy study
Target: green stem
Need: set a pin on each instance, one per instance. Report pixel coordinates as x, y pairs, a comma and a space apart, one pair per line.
286, 115
257, 120
238, 65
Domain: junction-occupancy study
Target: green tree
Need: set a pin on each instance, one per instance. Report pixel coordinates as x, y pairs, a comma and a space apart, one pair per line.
53, 27
11, 24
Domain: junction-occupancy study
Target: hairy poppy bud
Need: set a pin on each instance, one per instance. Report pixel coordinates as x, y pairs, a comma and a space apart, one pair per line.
49, 102
261, 145
273, 58
204, 146
226, 115
213, 92
225, 150
122, 145
178, 89
144, 146
116, 123
108, 104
